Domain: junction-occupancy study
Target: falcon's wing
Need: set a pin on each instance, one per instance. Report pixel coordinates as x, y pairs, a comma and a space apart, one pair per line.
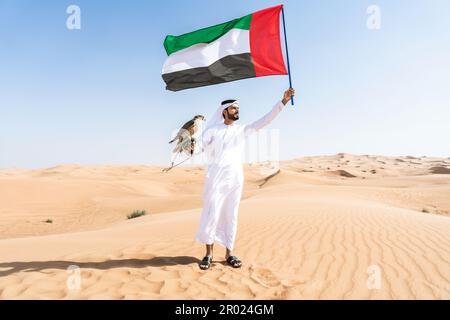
188, 125
184, 130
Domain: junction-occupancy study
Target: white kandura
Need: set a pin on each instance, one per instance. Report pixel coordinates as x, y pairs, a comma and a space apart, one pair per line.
224, 147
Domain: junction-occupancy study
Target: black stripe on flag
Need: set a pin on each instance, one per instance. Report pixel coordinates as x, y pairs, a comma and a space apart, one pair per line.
229, 68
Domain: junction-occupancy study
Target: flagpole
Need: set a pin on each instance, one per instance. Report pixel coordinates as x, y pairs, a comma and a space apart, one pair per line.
287, 54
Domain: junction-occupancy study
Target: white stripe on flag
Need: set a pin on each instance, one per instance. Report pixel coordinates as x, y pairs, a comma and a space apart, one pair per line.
235, 41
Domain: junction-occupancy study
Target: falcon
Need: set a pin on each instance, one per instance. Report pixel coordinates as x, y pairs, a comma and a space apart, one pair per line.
186, 141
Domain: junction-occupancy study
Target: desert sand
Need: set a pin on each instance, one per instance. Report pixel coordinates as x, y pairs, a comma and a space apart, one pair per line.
322, 227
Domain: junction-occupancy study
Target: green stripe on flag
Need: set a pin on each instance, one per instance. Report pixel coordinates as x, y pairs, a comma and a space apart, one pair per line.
206, 35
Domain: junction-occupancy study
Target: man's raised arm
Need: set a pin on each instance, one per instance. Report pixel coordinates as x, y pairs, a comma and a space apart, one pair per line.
268, 117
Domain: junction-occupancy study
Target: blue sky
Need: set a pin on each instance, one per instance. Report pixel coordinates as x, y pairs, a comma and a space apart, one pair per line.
95, 95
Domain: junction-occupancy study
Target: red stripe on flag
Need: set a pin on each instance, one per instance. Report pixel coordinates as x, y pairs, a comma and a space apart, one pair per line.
265, 45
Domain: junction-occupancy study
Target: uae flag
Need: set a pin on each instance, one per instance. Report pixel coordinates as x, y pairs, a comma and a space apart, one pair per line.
242, 48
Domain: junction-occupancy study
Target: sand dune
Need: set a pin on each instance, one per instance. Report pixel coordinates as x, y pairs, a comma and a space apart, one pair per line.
327, 227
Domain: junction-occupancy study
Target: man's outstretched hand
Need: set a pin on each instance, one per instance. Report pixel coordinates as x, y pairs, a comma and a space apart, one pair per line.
287, 95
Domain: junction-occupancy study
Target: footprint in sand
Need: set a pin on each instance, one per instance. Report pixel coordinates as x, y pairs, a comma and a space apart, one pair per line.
264, 277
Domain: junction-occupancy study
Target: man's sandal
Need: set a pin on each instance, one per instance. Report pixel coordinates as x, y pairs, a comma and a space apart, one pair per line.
234, 262
206, 263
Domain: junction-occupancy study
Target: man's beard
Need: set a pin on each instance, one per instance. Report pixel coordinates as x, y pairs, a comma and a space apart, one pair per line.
235, 117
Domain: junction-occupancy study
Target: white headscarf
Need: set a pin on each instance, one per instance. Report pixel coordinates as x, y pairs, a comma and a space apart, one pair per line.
217, 117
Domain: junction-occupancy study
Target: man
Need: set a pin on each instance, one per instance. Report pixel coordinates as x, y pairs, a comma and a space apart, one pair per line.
223, 142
